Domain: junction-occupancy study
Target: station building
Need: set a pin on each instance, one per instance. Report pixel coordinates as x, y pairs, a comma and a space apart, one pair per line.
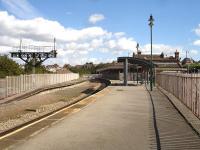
115, 71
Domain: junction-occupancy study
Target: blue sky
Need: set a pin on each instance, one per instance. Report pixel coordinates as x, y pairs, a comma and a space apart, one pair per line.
176, 26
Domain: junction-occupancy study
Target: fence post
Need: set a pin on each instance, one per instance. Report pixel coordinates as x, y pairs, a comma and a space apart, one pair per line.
6, 86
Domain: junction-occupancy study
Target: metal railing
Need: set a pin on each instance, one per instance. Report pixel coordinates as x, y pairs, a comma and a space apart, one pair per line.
12, 85
186, 87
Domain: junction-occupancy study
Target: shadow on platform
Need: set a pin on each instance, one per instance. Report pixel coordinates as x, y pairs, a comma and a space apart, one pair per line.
122, 84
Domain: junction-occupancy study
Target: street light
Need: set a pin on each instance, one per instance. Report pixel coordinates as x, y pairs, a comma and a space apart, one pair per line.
151, 20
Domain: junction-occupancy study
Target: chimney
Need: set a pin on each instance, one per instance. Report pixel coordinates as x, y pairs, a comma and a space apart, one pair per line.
177, 55
133, 54
139, 53
162, 55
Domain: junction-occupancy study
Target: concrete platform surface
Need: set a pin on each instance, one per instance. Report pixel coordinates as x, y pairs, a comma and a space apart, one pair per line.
119, 120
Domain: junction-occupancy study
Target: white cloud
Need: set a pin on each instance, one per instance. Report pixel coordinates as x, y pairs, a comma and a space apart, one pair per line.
4, 50
73, 45
197, 30
196, 43
20, 8
112, 44
94, 18
168, 50
41, 29
159, 48
68, 13
120, 34
96, 43
194, 52
126, 43
121, 43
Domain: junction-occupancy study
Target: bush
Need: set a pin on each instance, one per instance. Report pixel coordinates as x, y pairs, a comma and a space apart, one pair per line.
193, 67
8, 67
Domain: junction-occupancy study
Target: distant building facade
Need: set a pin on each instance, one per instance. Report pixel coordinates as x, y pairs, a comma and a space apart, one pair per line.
163, 63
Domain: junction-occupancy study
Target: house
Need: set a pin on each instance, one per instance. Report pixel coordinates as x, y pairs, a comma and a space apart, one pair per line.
187, 61
63, 71
88, 65
53, 68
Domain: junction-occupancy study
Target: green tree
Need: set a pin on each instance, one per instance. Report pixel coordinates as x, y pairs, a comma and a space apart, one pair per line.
87, 68
80, 70
8, 67
39, 69
194, 67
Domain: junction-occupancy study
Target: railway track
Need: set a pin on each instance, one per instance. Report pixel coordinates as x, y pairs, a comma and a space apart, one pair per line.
9, 137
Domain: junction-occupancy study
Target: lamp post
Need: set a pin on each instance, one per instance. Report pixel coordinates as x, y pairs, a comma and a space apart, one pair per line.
151, 20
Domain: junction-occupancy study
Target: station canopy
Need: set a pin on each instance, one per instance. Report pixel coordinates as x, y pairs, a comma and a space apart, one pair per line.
138, 61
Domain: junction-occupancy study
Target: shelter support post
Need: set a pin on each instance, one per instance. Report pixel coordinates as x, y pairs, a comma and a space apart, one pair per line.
125, 72
147, 76
154, 77
137, 75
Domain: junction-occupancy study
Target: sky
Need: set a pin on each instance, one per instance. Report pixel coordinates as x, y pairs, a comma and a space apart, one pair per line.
100, 30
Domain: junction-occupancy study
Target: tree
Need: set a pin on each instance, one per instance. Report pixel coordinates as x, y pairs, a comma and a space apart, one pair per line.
194, 67
87, 68
38, 68
8, 67
66, 66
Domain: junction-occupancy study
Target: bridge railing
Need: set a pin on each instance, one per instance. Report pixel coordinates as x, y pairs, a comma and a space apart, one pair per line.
186, 87
12, 85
